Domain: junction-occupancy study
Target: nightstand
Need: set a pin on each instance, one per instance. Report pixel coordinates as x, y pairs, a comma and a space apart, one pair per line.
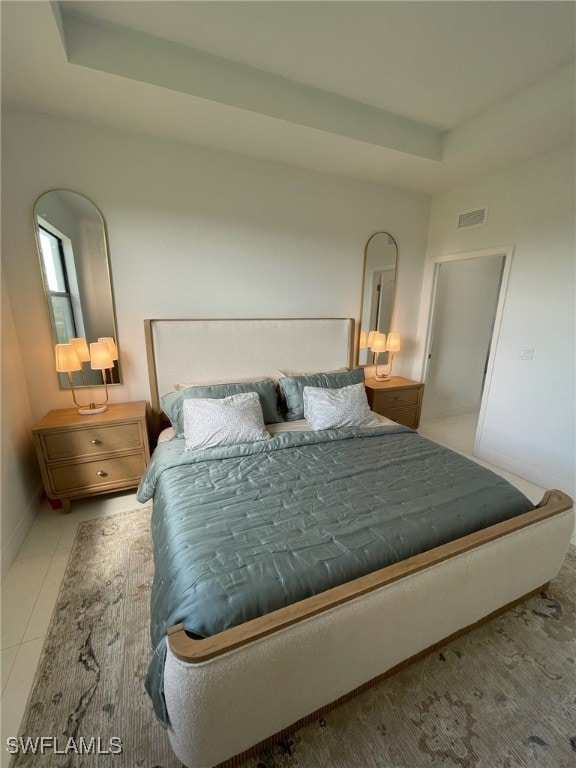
89, 455
398, 399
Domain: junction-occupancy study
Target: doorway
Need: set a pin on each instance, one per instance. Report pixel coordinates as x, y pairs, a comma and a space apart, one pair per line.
466, 299
383, 282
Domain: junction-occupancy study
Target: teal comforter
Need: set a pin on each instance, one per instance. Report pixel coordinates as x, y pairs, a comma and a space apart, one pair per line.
242, 530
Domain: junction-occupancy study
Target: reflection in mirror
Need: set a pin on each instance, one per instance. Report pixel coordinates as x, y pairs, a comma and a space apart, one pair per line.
378, 284
71, 238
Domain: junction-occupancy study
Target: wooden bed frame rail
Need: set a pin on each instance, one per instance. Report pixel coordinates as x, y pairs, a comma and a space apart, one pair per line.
196, 651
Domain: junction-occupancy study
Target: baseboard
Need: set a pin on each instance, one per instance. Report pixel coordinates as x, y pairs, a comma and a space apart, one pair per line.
533, 475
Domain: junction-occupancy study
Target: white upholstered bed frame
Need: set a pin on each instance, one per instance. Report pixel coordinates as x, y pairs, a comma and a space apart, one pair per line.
234, 690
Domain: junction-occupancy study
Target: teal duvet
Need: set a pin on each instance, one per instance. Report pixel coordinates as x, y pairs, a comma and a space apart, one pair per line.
242, 530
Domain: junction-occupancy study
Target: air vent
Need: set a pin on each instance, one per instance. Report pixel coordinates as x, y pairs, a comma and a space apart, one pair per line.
475, 217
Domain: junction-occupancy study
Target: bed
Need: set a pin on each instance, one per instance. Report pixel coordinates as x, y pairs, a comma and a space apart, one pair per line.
294, 569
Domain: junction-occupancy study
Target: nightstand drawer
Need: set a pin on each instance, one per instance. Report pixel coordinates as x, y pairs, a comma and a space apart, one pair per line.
397, 398
97, 475
409, 417
92, 441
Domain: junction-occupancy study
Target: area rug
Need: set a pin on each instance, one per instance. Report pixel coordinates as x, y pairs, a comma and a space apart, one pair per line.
503, 696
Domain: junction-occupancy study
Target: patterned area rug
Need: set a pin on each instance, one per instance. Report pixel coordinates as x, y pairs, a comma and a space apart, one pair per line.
503, 696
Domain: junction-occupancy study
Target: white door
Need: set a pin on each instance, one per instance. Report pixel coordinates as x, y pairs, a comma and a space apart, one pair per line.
465, 303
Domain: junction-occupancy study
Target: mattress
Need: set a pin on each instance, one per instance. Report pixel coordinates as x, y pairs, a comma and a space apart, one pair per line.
243, 530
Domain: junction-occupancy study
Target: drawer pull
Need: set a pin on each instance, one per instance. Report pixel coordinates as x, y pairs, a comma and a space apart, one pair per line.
101, 473
95, 441
399, 399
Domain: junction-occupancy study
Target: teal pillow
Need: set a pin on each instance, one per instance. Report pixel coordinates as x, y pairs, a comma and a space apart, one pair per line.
292, 388
266, 389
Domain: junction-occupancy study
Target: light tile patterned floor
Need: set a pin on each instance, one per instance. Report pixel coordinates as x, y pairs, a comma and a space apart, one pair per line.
457, 432
31, 586
29, 592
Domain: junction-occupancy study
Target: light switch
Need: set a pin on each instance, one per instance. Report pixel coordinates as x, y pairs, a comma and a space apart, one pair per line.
526, 353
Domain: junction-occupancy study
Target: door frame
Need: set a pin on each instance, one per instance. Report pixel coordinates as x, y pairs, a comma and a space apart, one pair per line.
427, 315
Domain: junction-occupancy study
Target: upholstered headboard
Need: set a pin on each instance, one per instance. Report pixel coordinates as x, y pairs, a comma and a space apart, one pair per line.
203, 351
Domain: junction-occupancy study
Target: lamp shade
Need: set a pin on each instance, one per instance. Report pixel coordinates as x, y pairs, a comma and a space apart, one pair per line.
100, 357
362, 343
66, 358
81, 348
378, 343
393, 343
111, 346
371, 336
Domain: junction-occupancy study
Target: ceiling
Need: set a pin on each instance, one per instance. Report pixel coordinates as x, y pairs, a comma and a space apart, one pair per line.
419, 95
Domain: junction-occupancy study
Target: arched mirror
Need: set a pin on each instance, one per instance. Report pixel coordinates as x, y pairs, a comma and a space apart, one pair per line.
71, 238
378, 288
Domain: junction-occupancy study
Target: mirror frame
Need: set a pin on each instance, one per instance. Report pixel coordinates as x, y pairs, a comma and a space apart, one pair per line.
364, 299
104, 275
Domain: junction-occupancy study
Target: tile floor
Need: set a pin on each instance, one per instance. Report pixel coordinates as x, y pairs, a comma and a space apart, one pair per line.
457, 432
31, 586
29, 592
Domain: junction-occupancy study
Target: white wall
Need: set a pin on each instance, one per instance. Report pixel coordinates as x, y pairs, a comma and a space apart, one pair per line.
196, 233
529, 420
20, 486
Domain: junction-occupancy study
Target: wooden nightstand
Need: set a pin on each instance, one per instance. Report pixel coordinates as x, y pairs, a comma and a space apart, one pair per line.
398, 398
89, 455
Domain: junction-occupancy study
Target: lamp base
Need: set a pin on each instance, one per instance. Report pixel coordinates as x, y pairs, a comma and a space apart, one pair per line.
91, 409
382, 376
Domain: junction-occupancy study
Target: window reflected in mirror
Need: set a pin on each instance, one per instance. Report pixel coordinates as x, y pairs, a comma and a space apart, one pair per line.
57, 280
71, 238
378, 291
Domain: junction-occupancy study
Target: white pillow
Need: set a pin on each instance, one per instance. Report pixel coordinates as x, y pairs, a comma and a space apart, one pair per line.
343, 407
209, 422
